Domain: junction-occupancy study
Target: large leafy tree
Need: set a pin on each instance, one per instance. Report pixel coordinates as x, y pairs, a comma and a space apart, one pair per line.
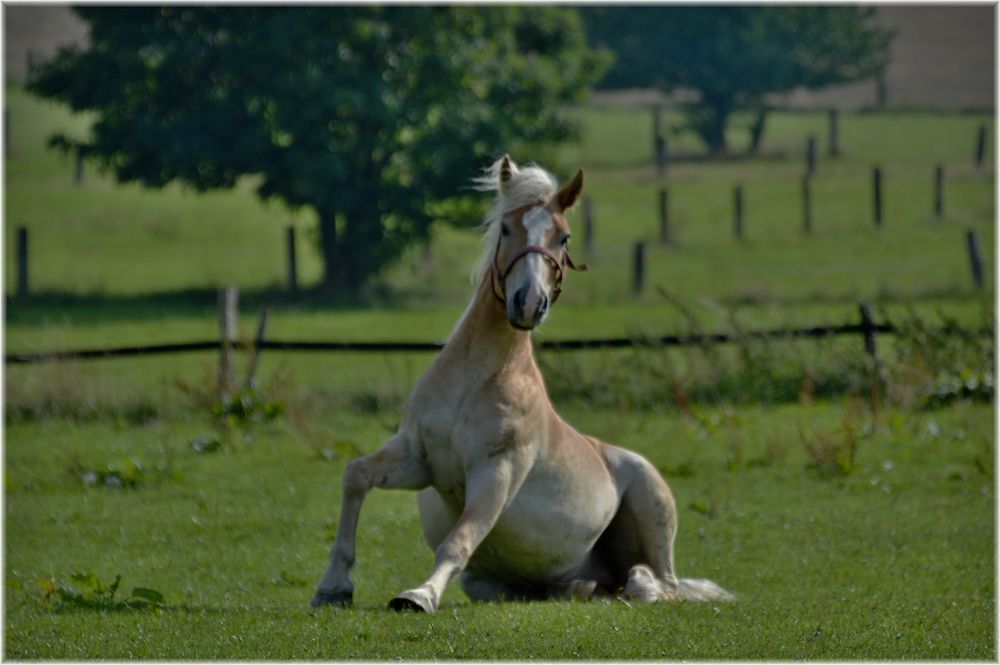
734, 56
374, 117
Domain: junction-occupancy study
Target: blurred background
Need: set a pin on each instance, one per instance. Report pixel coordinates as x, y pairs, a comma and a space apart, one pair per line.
823, 172
319, 160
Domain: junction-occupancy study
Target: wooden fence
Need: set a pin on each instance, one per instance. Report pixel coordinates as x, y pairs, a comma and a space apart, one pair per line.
668, 232
228, 342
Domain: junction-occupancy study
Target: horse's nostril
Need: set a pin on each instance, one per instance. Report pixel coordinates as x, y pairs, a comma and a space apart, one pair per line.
519, 299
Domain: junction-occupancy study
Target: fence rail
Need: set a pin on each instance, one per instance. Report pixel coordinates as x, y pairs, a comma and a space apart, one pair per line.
228, 341
384, 347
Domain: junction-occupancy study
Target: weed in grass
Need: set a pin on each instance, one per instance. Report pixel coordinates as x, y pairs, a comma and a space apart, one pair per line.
206, 444
938, 363
832, 453
237, 411
775, 452
90, 592
126, 473
712, 503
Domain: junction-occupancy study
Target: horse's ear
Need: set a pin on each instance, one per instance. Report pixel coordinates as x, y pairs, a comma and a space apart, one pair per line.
508, 169
571, 192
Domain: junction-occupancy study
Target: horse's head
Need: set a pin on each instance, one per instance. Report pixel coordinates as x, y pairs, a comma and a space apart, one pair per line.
532, 252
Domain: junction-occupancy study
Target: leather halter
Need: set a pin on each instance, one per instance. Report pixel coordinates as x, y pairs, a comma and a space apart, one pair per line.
500, 275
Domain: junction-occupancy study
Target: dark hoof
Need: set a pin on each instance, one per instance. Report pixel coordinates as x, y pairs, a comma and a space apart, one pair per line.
335, 598
407, 603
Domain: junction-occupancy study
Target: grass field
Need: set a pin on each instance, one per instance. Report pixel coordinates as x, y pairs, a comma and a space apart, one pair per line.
894, 560
884, 555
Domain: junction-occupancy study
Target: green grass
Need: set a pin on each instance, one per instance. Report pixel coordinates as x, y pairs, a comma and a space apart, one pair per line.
894, 560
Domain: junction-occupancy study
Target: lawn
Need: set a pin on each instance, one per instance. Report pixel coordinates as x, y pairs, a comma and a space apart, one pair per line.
891, 560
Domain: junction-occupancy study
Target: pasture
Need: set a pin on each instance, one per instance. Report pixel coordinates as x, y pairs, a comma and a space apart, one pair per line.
845, 532
894, 560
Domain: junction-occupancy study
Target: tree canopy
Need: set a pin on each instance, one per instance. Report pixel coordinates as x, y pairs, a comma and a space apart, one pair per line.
734, 56
372, 116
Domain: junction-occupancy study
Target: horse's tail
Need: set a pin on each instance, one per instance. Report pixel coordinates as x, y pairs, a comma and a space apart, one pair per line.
695, 589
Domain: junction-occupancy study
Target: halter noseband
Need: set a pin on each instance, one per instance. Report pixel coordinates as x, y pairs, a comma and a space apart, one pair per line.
500, 275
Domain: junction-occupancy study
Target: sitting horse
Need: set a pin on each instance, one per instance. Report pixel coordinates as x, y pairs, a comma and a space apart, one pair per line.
510, 495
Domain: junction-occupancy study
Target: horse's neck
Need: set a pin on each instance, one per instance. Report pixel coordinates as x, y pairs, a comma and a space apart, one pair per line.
484, 339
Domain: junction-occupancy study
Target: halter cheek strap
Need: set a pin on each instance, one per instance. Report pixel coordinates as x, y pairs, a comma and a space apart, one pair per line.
499, 276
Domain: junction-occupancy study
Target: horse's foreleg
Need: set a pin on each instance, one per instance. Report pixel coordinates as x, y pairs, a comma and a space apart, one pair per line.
393, 466
486, 493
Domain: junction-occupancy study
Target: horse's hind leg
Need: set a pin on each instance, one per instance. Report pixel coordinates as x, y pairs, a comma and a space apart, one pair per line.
639, 543
393, 466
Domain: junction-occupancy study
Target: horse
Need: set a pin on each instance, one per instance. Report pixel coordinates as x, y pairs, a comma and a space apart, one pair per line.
511, 498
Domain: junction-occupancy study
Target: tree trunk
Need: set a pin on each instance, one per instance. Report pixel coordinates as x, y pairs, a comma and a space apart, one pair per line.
340, 272
709, 120
757, 130
328, 250
715, 132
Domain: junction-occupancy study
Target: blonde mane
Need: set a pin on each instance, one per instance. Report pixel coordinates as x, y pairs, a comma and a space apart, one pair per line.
529, 184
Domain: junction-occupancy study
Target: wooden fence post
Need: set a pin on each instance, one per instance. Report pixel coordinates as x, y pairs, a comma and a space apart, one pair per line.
661, 155
664, 218
255, 354
639, 268
975, 257
6, 133
834, 128
293, 271
656, 110
228, 301
811, 156
22, 261
868, 332
980, 147
806, 205
588, 225
939, 191
659, 142
877, 195
738, 212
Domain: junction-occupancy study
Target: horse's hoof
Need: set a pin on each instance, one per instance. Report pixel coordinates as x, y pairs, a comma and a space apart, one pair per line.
334, 598
411, 601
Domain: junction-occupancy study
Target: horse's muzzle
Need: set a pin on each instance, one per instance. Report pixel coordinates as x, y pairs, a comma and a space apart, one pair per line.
526, 310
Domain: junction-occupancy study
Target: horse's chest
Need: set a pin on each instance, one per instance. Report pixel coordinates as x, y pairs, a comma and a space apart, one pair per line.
454, 441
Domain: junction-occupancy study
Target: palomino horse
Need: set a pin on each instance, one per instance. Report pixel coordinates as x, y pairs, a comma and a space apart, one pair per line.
511, 496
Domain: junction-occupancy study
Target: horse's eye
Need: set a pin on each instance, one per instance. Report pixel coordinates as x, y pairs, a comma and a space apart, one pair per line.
504, 231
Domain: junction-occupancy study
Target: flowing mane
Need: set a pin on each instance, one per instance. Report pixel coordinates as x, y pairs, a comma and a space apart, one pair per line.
529, 184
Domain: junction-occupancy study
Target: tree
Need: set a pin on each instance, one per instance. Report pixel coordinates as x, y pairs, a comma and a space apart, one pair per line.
734, 56
374, 117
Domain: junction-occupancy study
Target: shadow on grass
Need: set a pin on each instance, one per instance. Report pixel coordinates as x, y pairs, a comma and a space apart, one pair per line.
43, 307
